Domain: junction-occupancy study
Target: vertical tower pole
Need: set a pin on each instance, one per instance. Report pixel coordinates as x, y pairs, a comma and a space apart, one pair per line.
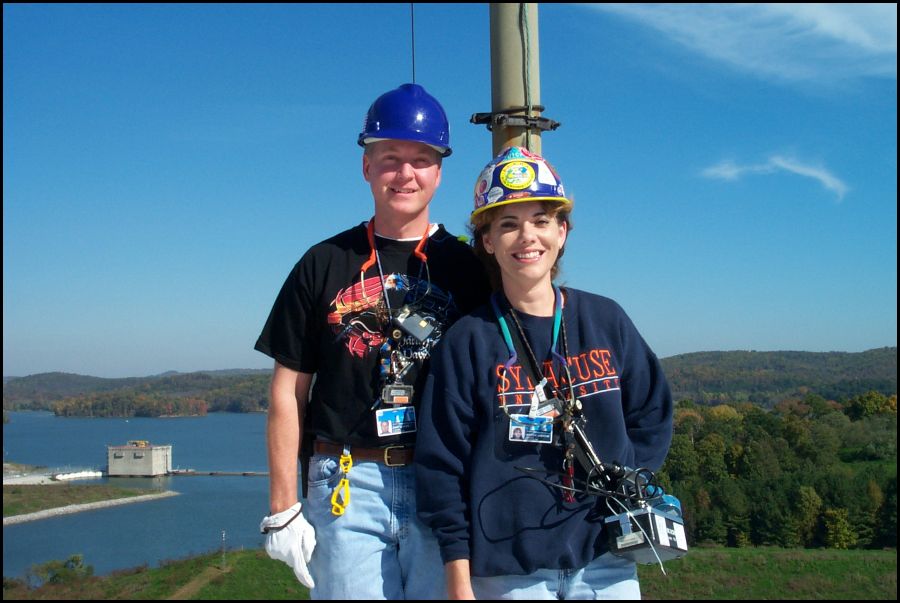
515, 73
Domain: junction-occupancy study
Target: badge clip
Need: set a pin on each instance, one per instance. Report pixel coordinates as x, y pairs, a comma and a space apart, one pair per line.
397, 393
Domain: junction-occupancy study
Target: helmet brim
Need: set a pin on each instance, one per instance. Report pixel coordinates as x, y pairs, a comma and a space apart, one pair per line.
480, 210
387, 135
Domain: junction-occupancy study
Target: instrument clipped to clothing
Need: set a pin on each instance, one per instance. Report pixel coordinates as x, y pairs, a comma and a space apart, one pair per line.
340, 498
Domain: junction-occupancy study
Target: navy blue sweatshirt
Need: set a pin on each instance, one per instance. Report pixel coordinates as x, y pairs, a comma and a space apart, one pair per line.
469, 490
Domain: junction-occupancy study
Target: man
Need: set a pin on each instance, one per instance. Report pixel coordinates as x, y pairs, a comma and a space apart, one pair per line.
361, 312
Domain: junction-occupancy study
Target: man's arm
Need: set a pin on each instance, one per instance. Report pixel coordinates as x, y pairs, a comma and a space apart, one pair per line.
289, 394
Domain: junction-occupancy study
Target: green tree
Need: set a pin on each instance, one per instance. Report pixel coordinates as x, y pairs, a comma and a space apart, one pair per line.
839, 533
807, 508
711, 458
682, 462
887, 516
735, 506
869, 404
759, 462
687, 421
826, 442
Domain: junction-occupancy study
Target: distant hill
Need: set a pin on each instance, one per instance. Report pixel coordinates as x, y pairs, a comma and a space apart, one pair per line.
48, 387
766, 378
244, 388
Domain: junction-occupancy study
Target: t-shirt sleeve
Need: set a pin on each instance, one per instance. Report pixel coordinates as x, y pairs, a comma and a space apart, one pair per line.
291, 332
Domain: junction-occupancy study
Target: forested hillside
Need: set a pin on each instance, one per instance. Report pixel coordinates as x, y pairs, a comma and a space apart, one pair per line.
707, 378
243, 390
810, 472
766, 378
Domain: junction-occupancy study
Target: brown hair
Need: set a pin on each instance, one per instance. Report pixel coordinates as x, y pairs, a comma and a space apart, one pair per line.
481, 223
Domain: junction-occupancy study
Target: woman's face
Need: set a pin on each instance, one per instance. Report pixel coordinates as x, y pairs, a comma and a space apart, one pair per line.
526, 242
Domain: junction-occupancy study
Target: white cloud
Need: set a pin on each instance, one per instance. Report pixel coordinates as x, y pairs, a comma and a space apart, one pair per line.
728, 170
809, 42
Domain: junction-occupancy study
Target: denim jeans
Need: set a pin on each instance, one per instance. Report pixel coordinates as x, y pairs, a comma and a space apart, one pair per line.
378, 549
606, 577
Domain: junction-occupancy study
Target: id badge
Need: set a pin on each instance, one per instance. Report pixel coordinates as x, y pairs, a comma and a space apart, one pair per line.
535, 430
395, 421
397, 394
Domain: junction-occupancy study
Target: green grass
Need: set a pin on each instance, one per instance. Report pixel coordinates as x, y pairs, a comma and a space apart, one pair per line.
247, 575
705, 573
19, 499
773, 573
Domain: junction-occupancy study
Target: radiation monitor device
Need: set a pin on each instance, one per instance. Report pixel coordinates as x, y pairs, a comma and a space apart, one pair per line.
647, 535
413, 324
650, 528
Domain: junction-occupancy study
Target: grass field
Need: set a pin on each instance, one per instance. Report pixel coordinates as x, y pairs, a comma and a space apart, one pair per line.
705, 573
773, 573
19, 499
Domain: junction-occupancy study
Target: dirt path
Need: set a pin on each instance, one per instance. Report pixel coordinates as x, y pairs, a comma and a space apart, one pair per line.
193, 587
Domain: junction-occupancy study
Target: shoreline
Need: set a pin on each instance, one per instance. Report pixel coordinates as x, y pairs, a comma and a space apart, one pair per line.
69, 509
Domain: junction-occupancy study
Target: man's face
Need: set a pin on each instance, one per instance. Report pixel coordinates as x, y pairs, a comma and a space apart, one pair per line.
403, 176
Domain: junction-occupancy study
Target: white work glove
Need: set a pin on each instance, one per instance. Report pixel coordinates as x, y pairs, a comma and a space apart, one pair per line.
290, 538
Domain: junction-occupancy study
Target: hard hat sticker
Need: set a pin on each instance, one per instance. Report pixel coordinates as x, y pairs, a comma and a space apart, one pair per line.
481, 186
545, 176
517, 175
494, 194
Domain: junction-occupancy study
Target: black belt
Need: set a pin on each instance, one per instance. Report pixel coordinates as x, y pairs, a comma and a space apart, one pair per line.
392, 456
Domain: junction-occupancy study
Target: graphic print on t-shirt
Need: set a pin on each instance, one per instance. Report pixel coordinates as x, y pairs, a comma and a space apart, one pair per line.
359, 315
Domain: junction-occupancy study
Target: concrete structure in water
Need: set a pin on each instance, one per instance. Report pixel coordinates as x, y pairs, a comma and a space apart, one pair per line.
139, 458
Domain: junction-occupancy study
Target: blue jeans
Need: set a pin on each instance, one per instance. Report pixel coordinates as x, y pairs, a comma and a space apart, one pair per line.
378, 549
606, 577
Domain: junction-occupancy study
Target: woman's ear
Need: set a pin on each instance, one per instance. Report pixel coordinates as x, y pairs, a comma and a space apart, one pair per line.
486, 242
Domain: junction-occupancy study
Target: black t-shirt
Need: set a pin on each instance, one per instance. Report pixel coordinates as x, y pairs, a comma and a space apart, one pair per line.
328, 321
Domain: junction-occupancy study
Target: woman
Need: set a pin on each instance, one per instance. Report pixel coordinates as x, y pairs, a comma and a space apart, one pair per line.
510, 515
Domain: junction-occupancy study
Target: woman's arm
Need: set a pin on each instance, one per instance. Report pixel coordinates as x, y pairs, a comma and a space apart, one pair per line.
459, 582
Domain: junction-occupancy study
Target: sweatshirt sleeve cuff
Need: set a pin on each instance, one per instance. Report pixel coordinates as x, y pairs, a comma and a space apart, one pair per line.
454, 552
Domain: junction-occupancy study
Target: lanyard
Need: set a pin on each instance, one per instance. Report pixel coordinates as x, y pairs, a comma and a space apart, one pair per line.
374, 258
558, 327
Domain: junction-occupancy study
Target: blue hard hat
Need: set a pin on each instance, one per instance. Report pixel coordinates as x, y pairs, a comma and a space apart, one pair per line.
407, 113
517, 175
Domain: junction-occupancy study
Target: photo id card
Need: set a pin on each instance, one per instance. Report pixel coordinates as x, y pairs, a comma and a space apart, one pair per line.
538, 430
394, 421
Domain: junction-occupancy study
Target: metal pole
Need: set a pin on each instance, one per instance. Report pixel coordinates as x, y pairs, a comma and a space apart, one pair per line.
515, 72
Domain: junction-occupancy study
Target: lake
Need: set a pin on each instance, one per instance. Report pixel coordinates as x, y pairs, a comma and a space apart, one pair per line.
149, 532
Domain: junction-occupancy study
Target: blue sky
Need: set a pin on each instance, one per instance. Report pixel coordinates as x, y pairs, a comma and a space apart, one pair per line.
734, 167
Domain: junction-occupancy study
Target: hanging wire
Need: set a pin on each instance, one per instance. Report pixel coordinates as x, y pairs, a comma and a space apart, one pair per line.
412, 27
526, 60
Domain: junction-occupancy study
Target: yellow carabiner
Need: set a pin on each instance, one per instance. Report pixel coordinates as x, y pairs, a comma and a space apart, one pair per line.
340, 498
346, 462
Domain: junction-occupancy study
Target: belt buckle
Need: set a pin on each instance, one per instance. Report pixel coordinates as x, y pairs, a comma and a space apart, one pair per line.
387, 454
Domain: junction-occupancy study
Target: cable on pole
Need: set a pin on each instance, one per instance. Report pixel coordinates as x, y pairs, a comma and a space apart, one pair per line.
412, 27
526, 67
